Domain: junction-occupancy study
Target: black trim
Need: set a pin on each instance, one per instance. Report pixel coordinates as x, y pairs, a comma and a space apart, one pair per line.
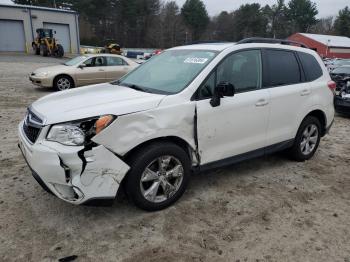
249, 155
195, 133
35, 175
329, 127
102, 202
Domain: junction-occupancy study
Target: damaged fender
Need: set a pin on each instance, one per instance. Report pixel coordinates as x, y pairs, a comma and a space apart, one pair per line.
131, 130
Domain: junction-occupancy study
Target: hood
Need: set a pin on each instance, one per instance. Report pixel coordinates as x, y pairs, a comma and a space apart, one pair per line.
95, 100
52, 69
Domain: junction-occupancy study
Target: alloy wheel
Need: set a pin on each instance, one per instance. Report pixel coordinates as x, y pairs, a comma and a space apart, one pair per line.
309, 139
63, 84
161, 179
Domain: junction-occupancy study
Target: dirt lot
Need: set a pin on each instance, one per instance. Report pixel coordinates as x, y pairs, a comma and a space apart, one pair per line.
267, 209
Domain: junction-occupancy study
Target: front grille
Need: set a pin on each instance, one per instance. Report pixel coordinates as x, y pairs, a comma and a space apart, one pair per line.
31, 132
32, 126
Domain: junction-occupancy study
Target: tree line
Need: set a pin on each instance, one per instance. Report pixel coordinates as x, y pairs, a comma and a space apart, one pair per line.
156, 23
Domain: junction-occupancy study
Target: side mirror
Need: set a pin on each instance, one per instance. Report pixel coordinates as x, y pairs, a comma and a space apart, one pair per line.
221, 90
81, 66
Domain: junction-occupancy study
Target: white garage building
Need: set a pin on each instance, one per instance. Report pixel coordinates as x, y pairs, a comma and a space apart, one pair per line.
18, 24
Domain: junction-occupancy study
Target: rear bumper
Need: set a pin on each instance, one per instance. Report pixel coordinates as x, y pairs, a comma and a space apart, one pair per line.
341, 105
73, 174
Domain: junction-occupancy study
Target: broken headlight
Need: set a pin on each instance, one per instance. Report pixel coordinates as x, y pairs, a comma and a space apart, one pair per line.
78, 133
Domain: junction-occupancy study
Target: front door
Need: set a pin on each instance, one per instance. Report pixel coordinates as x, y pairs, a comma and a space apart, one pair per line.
94, 71
238, 125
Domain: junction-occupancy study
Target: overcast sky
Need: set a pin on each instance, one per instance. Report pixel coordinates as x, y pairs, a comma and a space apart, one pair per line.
325, 7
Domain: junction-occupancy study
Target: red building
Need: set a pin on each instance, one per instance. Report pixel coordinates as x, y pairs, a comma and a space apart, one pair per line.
326, 45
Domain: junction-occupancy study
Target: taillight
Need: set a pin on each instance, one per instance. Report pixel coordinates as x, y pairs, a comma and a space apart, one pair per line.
332, 86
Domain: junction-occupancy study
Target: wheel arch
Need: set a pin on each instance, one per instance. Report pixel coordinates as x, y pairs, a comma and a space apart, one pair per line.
190, 151
321, 116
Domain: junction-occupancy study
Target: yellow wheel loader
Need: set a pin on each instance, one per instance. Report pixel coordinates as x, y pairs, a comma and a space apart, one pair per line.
46, 45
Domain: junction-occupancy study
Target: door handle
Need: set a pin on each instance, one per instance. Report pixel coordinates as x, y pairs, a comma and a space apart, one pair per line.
262, 102
305, 92
101, 70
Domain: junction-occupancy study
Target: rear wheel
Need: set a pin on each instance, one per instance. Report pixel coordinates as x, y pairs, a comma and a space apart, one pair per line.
307, 139
158, 176
63, 82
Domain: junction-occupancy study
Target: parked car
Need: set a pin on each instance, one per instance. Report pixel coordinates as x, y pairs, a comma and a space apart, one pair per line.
83, 70
341, 76
340, 73
189, 109
337, 63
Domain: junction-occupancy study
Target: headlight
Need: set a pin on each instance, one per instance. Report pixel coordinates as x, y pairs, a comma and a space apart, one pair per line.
42, 74
78, 133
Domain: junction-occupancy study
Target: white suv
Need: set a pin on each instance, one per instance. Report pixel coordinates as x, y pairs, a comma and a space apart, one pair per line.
190, 108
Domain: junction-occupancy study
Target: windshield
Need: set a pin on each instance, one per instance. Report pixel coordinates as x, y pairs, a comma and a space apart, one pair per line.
169, 72
75, 60
341, 70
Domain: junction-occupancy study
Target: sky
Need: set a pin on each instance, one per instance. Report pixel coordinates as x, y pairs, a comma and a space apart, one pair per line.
214, 7
325, 7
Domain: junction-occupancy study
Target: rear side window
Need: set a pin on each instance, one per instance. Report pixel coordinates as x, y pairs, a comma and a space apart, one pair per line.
115, 61
281, 68
311, 67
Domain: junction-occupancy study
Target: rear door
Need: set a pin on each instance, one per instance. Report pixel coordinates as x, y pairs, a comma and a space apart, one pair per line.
289, 93
116, 68
94, 71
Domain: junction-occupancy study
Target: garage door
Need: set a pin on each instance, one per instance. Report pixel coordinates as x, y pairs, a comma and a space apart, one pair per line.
62, 34
12, 36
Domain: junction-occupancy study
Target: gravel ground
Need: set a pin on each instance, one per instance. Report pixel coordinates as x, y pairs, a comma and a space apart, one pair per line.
267, 209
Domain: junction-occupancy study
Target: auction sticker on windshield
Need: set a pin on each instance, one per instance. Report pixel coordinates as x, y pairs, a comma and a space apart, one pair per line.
195, 60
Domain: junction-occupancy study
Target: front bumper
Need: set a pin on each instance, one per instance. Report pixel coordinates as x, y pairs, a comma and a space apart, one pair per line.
41, 81
342, 105
74, 174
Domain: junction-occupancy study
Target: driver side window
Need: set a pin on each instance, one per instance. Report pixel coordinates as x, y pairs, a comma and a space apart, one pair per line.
243, 70
95, 61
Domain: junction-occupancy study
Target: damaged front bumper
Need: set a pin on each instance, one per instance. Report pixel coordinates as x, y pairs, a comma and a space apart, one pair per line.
73, 173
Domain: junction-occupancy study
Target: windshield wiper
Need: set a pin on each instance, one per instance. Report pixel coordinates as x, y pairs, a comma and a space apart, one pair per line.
136, 87
132, 86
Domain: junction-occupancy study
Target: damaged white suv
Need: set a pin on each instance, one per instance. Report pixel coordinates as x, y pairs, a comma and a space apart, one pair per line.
189, 108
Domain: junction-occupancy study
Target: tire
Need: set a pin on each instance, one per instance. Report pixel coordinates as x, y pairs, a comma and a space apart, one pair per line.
44, 50
36, 50
174, 161
63, 82
59, 51
307, 139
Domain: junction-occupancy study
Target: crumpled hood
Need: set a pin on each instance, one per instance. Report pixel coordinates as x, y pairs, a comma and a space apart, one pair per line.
93, 101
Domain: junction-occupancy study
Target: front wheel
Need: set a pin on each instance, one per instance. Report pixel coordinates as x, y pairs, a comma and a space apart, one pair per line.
158, 176
307, 140
63, 83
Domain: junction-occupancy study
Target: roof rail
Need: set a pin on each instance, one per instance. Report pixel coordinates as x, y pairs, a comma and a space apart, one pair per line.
271, 41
